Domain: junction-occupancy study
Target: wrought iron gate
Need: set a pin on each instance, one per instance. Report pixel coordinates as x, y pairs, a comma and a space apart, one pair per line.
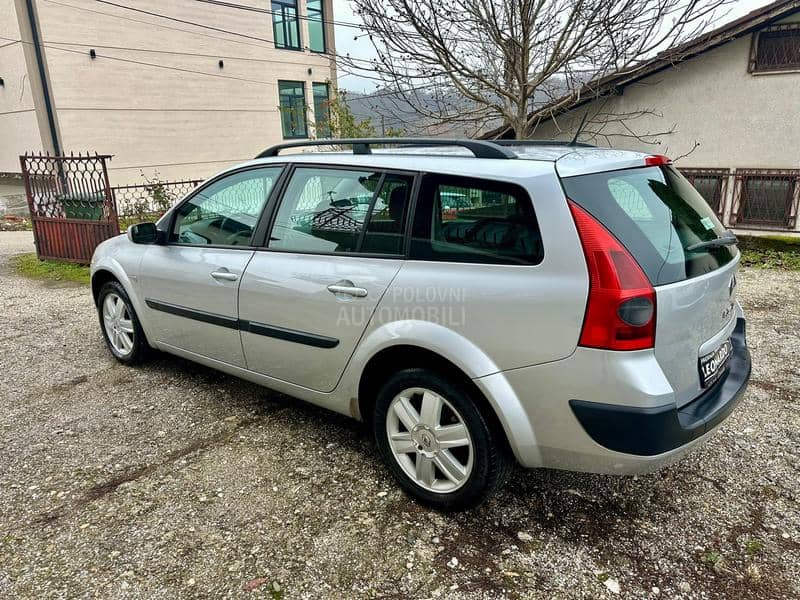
72, 208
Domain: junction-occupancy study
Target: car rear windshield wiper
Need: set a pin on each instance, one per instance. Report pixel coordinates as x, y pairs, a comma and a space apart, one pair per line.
729, 239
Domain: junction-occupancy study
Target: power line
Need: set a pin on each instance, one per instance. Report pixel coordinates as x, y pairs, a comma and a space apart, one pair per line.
191, 23
184, 21
155, 65
173, 52
179, 164
272, 12
270, 43
150, 23
184, 70
359, 26
140, 109
212, 28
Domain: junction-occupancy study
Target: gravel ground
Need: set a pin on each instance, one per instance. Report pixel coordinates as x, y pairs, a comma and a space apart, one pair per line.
171, 480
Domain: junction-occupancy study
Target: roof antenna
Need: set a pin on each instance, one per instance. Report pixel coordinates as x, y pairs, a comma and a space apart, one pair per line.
574, 141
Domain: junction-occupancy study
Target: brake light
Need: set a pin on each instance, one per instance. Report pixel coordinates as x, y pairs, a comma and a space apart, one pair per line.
621, 309
657, 160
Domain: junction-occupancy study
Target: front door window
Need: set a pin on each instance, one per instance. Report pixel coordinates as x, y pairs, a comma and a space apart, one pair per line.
225, 213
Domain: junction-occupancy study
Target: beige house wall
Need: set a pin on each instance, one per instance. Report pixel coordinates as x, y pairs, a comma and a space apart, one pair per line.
707, 112
19, 125
155, 97
736, 118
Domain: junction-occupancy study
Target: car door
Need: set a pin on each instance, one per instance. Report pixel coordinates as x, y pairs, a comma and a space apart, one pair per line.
336, 243
190, 284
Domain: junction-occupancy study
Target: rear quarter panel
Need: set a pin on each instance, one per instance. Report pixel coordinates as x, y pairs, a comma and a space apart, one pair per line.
511, 315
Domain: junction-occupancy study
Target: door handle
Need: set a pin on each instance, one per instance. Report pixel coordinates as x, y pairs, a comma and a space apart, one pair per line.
347, 288
224, 275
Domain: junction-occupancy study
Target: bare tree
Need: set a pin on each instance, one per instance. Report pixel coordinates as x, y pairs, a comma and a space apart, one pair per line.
478, 61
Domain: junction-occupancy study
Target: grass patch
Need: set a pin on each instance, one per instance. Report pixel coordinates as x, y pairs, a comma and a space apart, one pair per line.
52, 270
770, 252
15, 224
753, 547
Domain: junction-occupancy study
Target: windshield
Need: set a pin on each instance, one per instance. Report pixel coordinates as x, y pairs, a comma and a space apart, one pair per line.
657, 214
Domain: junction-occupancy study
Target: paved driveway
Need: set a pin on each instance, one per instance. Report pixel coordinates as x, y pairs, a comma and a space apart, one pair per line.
171, 480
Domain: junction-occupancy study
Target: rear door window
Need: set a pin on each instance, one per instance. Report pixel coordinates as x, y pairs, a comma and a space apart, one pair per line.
474, 220
657, 214
326, 210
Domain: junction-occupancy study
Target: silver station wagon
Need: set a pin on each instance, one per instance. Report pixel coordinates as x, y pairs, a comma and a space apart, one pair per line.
475, 303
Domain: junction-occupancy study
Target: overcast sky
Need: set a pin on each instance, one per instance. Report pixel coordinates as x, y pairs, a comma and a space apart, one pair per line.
361, 47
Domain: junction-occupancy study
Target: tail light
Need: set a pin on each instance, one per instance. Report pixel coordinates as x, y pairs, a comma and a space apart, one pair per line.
657, 160
621, 310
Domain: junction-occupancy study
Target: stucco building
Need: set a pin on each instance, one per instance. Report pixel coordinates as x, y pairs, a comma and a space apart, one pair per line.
180, 88
726, 105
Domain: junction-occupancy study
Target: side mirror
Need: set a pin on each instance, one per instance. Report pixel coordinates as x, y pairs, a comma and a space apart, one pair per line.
145, 233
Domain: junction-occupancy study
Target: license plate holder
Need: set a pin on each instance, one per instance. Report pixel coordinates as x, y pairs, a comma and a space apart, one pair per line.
712, 365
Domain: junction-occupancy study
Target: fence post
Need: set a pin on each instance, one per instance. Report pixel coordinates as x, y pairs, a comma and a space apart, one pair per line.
29, 197
110, 202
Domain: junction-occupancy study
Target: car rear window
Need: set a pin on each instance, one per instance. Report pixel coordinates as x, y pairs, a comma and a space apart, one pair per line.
657, 214
462, 219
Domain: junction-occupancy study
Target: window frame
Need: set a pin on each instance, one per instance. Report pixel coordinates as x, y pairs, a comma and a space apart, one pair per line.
302, 85
406, 233
260, 222
262, 241
753, 66
322, 22
327, 85
284, 4
465, 181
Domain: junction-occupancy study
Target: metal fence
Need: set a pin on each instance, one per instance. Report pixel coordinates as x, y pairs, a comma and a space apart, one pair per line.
70, 203
148, 201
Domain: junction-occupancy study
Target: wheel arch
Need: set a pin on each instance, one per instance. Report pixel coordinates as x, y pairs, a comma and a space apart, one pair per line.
392, 359
99, 278
106, 269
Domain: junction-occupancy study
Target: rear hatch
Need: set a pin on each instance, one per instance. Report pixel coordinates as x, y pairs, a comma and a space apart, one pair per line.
663, 222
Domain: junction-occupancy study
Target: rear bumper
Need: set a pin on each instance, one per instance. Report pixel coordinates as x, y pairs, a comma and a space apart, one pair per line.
650, 431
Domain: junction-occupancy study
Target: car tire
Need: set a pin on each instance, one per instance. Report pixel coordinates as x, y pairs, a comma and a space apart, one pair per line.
120, 324
420, 420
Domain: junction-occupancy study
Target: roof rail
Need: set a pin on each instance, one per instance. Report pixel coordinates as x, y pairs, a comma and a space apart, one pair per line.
480, 148
513, 143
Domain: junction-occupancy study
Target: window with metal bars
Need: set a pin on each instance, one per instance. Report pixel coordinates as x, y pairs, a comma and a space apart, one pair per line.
711, 183
776, 48
766, 198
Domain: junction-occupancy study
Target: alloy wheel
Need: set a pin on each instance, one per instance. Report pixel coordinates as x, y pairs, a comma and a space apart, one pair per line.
118, 324
429, 440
